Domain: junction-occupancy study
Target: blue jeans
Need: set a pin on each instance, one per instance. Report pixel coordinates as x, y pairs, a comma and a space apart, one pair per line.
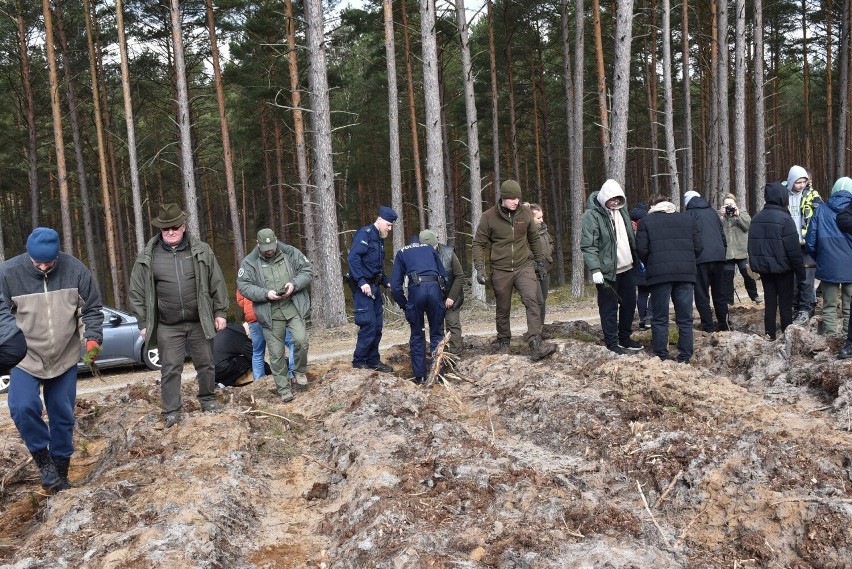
288, 343
258, 349
60, 396
680, 293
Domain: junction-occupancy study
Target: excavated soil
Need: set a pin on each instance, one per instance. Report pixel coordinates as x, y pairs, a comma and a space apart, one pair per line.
742, 458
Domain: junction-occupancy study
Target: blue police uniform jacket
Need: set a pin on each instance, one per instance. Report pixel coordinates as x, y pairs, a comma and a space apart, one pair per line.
367, 257
418, 258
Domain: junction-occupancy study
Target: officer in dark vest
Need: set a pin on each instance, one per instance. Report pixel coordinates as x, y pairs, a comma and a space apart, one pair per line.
420, 264
366, 277
455, 290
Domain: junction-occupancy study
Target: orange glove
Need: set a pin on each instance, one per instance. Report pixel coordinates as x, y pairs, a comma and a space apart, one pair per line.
93, 350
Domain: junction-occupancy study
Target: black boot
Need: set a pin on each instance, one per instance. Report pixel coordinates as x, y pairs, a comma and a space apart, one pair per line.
46, 469
62, 463
540, 350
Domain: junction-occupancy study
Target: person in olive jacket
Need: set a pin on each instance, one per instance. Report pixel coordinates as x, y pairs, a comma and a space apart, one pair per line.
735, 224
507, 233
609, 251
775, 254
179, 298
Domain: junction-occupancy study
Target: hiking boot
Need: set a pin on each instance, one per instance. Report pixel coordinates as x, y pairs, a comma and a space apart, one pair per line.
172, 419
381, 366
845, 352
503, 346
62, 463
802, 318
287, 397
631, 345
300, 379
540, 350
46, 469
419, 380
615, 350
210, 406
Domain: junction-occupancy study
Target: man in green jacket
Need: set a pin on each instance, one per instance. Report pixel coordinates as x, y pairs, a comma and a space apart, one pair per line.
609, 251
276, 277
508, 233
179, 297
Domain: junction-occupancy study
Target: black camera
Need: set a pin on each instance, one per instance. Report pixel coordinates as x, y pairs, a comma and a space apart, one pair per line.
730, 210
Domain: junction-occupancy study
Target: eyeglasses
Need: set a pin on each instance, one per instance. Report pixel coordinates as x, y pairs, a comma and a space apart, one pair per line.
175, 229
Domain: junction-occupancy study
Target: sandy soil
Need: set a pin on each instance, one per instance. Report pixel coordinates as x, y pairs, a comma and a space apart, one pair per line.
742, 458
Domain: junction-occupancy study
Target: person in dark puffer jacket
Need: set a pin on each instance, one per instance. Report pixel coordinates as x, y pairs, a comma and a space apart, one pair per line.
668, 243
775, 254
710, 277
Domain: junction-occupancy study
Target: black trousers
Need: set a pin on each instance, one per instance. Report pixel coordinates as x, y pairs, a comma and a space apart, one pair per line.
778, 292
710, 280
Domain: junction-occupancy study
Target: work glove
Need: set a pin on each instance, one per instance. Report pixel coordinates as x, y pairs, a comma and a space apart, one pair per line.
93, 350
481, 277
597, 277
540, 270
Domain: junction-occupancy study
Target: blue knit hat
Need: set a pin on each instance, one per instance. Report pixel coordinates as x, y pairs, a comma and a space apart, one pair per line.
388, 214
43, 245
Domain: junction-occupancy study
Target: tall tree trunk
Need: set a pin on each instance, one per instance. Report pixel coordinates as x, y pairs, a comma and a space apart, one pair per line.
539, 182
32, 148
73, 116
305, 190
56, 108
574, 113
184, 126
283, 218
267, 167
653, 106
138, 221
471, 124
843, 115
620, 91
508, 28
759, 110
239, 246
739, 104
689, 160
109, 227
806, 87
450, 188
495, 106
724, 157
434, 147
668, 95
710, 94
829, 87
393, 126
412, 111
603, 112
331, 300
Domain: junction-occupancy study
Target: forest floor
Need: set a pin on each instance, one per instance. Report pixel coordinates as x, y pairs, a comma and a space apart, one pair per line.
742, 458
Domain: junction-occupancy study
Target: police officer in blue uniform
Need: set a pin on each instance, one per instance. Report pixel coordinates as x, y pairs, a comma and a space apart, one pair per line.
366, 277
426, 280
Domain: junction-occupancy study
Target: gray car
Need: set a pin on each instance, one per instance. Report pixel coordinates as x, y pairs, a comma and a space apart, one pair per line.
122, 346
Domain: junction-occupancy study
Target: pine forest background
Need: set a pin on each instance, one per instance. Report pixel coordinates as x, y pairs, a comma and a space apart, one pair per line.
286, 113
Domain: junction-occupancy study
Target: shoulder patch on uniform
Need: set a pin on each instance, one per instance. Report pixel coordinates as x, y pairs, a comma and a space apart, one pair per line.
241, 272
364, 242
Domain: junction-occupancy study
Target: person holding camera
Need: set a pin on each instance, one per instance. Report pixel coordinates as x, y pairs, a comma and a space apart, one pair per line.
735, 224
276, 277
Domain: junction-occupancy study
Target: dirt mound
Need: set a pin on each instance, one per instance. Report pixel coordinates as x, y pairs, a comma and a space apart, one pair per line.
586, 459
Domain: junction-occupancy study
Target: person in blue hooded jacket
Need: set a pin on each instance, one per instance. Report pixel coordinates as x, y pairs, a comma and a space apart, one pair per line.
832, 251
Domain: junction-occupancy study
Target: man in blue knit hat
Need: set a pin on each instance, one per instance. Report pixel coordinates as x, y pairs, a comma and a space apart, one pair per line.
41, 282
366, 276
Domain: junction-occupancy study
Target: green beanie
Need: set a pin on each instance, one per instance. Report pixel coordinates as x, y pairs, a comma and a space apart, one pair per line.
510, 190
